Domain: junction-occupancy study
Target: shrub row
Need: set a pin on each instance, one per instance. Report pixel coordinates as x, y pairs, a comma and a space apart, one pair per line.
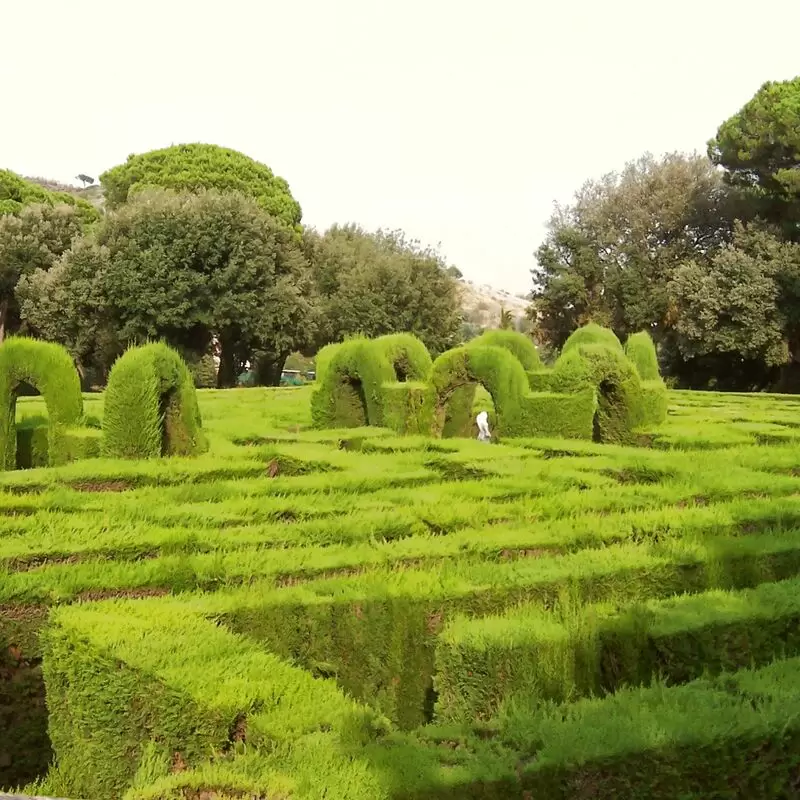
133, 683
482, 664
140, 691
376, 633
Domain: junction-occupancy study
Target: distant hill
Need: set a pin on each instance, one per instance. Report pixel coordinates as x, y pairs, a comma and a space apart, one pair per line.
482, 305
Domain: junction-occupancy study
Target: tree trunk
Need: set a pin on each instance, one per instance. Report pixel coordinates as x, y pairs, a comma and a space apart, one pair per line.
226, 375
269, 368
3, 318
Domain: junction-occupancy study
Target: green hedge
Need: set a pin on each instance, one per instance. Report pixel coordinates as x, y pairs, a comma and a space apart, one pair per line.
132, 683
500, 373
394, 616
25, 751
653, 403
566, 416
323, 359
482, 664
349, 395
592, 334
642, 352
408, 407
48, 368
540, 380
408, 356
151, 406
519, 345
33, 447
735, 736
607, 371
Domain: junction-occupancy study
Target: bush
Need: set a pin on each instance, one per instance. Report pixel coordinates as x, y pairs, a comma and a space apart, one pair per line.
151, 406
540, 380
408, 407
204, 372
592, 334
642, 352
566, 416
48, 368
519, 345
607, 371
528, 653
496, 368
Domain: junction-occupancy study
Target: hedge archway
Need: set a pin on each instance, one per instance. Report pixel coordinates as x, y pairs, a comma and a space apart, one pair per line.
454, 377
349, 394
407, 355
615, 381
151, 406
48, 368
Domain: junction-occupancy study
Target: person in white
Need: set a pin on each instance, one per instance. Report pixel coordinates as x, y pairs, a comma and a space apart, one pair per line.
484, 434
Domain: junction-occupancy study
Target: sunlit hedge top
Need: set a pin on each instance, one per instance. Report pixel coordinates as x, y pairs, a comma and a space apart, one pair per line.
16, 192
202, 166
517, 343
592, 334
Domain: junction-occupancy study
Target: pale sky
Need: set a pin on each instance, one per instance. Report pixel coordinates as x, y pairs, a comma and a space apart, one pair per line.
460, 122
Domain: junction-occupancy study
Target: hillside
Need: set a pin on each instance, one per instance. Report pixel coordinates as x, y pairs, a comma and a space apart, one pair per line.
482, 305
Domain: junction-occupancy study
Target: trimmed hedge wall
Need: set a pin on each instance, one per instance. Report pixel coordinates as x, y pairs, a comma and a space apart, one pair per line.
482, 664
130, 683
151, 406
48, 368
519, 345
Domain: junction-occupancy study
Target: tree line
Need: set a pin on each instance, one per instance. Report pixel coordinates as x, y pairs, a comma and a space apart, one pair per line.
204, 248
703, 251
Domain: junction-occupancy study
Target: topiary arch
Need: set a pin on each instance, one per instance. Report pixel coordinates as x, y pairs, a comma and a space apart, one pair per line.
349, 394
454, 377
616, 382
151, 406
48, 368
407, 355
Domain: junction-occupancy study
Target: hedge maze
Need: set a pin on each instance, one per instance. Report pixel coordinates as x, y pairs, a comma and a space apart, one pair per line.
314, 614
596, 390
280, 611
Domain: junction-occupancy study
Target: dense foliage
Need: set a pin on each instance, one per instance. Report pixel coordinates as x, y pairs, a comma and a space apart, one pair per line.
190, 269
31, 241
704, 259
189, 167
379, 283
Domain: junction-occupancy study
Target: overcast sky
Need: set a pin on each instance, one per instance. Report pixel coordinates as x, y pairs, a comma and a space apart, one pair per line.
460, 122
